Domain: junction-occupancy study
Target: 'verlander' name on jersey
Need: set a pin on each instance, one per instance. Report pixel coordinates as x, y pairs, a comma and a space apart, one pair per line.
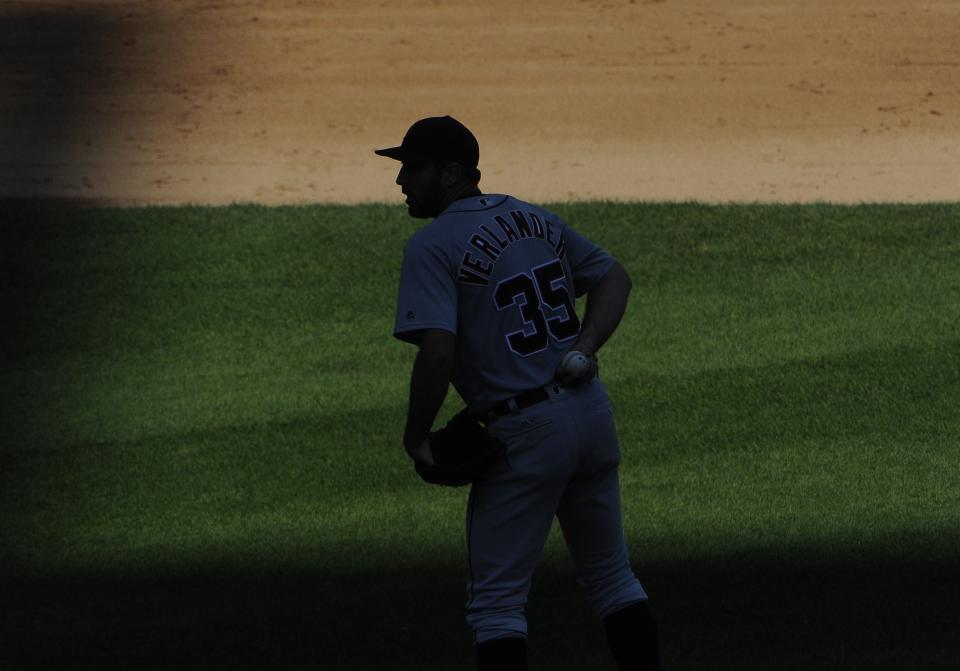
490, 244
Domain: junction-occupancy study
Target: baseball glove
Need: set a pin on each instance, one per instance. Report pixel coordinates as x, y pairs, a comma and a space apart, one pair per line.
462, 451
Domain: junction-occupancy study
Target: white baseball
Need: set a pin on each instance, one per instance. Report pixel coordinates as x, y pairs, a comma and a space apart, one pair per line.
574, 364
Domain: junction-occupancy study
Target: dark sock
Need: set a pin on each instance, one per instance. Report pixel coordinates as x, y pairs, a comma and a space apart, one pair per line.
632, 635
502, 654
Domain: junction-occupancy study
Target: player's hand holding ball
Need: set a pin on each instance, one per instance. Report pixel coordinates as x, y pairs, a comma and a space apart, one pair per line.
577, 368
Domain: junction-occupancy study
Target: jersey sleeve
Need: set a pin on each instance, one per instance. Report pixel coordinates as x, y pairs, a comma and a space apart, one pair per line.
588, 261
427, 296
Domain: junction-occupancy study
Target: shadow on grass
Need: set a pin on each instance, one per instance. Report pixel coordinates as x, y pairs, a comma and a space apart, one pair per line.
859, 608
787, 610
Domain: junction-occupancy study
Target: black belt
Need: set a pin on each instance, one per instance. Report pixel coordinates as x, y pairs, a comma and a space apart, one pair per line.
524, 400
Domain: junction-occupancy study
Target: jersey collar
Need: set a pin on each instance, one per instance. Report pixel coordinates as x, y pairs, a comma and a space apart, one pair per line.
485, 201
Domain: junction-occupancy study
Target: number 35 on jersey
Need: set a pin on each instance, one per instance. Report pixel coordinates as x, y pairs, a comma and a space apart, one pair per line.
533, 293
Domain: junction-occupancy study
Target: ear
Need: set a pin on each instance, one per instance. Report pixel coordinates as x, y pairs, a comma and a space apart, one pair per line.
451, 174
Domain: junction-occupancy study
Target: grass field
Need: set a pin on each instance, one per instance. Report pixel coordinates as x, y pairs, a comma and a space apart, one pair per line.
202, 466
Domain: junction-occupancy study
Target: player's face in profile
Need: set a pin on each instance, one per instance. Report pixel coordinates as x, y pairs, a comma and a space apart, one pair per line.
423, 188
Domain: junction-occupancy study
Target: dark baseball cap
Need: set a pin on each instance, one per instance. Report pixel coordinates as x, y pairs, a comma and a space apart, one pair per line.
437, 138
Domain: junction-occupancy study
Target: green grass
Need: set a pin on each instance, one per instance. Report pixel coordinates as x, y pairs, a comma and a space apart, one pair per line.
201, 459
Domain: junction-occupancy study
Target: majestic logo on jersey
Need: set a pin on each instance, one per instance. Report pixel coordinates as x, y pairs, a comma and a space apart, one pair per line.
474, 270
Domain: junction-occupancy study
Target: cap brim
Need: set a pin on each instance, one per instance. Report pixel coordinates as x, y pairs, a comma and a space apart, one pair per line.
399, 154
395, 153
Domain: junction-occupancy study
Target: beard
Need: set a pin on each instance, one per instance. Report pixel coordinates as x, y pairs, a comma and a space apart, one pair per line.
426, 204
416, 210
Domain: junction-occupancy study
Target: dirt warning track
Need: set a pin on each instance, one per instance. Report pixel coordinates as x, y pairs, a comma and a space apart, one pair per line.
284, 101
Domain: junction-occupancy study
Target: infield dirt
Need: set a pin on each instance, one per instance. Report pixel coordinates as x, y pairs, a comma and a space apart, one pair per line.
284, 101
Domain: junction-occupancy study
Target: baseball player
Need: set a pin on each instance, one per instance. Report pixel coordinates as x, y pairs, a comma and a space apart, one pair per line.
487, 293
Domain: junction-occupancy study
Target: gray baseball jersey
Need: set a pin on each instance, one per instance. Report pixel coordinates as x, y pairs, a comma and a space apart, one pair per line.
503, 275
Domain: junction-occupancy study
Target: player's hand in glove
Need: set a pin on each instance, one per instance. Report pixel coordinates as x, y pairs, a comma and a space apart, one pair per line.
459, 453
422, 453
577, 368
